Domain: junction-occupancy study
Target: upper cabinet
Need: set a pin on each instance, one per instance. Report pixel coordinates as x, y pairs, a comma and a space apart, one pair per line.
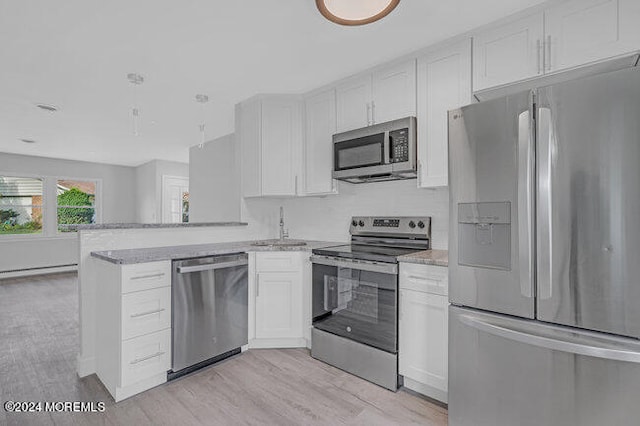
567, 35
444, 83
508, 53
271, 138
320, 126
394, 92
582, 31
386, 94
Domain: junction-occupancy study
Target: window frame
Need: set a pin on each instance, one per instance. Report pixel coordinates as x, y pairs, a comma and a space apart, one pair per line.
50, 206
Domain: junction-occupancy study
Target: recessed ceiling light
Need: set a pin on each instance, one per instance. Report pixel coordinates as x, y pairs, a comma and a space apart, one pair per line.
355, 12
48, 107
28, 140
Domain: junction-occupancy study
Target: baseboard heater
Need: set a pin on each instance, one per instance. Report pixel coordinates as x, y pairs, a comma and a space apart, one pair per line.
40, 270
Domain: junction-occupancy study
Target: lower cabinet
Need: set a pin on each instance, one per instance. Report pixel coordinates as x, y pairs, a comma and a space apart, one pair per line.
133, 332
281, 300
423, 329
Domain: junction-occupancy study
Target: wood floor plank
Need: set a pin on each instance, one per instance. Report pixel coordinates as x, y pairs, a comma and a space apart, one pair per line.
39, 343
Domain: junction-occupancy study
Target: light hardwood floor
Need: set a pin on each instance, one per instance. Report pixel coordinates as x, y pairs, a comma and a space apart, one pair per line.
38, 346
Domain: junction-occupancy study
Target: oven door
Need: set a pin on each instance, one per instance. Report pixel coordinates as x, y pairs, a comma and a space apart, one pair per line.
357, 300
361, 155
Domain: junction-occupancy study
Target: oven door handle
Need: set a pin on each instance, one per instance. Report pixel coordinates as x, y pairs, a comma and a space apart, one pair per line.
363, 265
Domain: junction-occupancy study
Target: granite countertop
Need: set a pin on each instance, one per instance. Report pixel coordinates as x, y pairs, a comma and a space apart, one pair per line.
154, 254
427, 257
97, 226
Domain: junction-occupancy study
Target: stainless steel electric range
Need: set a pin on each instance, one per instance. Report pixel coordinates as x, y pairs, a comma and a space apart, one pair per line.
355, 296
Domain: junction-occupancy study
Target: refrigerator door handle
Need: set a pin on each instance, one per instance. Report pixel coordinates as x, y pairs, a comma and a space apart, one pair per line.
571, 344
525, 202
546, 145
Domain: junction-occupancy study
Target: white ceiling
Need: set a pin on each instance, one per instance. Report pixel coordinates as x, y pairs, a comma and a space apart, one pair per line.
76, 54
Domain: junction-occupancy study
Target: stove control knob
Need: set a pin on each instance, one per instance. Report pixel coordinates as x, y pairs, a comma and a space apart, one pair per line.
421, 224
412, 224
354, 223
361, 223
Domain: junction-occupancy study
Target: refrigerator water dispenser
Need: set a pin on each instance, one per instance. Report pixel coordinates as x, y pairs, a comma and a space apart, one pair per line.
484, 232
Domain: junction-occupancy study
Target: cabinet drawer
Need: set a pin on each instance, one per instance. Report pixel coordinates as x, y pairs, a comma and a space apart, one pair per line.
424, 278
145, 312
277, 262
145, 356
145, 276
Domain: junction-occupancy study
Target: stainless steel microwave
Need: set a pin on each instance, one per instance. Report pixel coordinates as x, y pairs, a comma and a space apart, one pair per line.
382, 152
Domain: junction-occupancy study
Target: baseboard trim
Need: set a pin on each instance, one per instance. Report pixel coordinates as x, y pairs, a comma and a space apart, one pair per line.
86, 366
278, 343
426, 390
38, 271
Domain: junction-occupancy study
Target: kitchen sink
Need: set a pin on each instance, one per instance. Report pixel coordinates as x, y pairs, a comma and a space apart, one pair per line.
279, 243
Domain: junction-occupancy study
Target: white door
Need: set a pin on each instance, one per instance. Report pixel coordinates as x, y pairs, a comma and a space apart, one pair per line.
583, 31
281, 144
423, 338
444, 83
394, 92
278, 305
318, 156
175, 199
353, 103
508, 53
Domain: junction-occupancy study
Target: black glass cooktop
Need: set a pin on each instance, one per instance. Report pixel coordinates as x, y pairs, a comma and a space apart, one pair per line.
365, 252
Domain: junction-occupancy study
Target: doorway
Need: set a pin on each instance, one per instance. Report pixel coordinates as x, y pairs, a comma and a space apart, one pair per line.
175, 199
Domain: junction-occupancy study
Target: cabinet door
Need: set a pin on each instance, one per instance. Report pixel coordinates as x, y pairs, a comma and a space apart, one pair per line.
582, 31
444, 83
508, 53
320, 122
248, 127
353, 103
281, 145
278, 305
394, 92
423, 338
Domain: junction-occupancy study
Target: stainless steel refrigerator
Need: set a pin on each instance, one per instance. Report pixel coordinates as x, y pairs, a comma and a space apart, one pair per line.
544, 261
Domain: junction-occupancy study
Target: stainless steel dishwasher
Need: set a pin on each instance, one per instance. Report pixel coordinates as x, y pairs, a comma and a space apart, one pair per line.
209, 310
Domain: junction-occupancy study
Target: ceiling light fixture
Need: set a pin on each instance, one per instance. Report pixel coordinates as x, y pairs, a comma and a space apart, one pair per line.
355, 12
136, 80
27, 140
202, 99
48, 107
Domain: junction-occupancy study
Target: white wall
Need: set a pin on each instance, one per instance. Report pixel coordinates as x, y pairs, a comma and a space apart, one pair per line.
118, 205
214, 182
327, 218
149, 187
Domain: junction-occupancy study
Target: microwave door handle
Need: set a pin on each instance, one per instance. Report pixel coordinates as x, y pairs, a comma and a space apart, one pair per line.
387, 148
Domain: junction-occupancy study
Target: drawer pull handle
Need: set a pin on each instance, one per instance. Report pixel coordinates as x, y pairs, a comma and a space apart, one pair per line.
142, 277
146, 358
144, 314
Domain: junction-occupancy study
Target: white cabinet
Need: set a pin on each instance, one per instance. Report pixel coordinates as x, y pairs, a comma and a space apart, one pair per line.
508, 53
133, 326
353, 103
320, 126
386, 94
394, 92
583, 31
280, 299
271, 137
564, 36
423, 329
444, 83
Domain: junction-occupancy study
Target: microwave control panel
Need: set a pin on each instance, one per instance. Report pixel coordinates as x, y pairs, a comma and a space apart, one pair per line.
399, 146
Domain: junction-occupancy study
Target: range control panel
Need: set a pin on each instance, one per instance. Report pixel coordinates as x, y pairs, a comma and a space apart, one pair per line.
418, 226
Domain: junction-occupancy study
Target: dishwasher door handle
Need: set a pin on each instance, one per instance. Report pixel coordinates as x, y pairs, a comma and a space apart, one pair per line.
211, 266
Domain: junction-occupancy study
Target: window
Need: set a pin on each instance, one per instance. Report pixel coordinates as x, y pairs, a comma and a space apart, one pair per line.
21, 205
75, 203
46, 206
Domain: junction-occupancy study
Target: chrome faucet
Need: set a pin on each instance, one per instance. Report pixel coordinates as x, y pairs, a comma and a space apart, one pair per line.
283, 232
